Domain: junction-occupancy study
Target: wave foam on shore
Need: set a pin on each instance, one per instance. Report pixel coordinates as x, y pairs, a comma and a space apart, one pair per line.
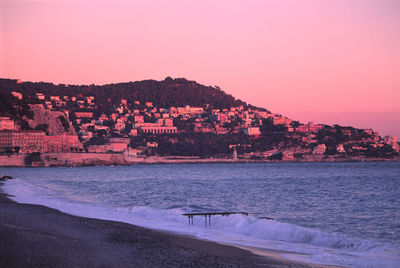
315, 246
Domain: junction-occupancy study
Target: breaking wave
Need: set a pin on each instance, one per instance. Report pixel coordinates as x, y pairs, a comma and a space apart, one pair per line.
317, 245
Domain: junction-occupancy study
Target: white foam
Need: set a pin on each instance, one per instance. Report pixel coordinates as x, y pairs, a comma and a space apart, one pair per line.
321, 247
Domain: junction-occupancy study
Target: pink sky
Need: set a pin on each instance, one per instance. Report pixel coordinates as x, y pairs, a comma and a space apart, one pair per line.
327, 61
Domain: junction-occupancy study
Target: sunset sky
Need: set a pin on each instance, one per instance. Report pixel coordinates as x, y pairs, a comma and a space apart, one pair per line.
334, 61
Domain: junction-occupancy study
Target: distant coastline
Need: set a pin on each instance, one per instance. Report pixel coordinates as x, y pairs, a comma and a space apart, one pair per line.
113, 159
42, 124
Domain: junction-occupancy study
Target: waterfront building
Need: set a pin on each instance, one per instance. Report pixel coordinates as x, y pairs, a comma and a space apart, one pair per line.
131, 154
23, 141
117, 145
62, 144
6, 123
30, 141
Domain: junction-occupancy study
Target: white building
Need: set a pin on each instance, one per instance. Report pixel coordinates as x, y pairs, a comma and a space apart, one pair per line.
252, 131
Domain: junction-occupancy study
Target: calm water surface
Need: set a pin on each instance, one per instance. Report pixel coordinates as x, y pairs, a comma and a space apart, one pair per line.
338, 213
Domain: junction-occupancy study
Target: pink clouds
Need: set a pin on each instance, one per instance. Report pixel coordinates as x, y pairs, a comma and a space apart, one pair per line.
289, 56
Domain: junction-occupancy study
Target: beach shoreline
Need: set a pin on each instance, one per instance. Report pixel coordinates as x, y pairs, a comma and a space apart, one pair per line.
35, 235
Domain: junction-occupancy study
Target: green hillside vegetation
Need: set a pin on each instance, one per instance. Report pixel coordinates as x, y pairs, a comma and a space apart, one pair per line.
197, 134
166, 93
14, 108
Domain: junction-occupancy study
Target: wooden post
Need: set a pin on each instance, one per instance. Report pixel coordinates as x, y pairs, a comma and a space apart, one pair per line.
209, 214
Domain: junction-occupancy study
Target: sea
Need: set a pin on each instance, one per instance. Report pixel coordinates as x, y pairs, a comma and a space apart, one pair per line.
345, 214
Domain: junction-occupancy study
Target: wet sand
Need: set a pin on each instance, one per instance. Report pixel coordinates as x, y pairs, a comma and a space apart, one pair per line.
38, 236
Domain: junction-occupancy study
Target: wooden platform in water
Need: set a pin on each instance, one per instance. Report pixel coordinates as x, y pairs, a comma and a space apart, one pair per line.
215, 213
209, 214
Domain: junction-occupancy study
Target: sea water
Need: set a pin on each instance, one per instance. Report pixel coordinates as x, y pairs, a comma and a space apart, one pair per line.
344, 214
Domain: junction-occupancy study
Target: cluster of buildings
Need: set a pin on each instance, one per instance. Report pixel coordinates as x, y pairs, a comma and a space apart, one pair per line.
128, 119
13, 140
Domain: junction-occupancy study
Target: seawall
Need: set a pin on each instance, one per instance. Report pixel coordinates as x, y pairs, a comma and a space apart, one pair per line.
63, 159
108, 159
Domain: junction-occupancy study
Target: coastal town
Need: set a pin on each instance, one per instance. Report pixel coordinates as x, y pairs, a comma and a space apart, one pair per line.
64, 129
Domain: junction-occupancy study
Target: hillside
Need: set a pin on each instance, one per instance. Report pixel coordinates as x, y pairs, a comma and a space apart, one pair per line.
178, 117
14, 108
52, 122
166, 93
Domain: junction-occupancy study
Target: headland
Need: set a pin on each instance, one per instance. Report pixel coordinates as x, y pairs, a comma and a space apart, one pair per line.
168, 121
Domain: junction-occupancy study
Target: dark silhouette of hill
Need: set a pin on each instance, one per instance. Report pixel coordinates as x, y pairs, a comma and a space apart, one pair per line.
166, 93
